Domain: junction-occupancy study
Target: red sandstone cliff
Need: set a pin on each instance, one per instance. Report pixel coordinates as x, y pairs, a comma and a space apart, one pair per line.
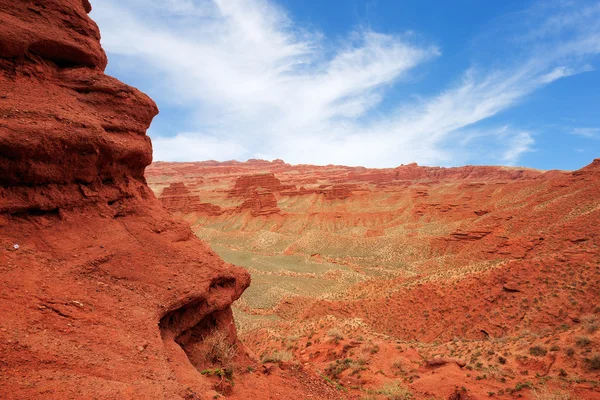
102, 293
258, 192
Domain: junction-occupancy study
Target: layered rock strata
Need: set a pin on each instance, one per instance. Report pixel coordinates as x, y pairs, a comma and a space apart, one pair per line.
100, 287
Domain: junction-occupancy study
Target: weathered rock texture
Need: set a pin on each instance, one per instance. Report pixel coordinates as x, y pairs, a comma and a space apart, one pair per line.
100, 289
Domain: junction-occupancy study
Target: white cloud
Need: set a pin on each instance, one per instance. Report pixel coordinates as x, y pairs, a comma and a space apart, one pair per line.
500, 145
257, 85
194, 147
519, 144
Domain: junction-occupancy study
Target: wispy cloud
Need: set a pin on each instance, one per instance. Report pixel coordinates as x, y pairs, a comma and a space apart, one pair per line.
252, 83
592, 133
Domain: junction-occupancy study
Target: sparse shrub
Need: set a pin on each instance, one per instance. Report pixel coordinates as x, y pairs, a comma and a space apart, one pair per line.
522, 385
336, 368
335, 334
554, 348
397, 368
395, 391
582, 341
502, 360
277, 357
334, 383
216, 349
593, 362
570, 352
590, 323
538, 351
223, 373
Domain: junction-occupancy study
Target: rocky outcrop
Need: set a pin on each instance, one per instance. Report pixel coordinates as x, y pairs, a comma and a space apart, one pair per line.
260, 203
56, 30
591, 171
469, 172
100, 286
258, 192
177, 198
337, 192
246, 185
414, 172
461, 235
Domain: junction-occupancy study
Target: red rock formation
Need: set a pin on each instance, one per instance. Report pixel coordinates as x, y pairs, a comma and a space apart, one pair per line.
258, 192
482, 173
177, 197
248, 184
468, 235
212, 210
260, 203
337, 192
103, 294
414, 172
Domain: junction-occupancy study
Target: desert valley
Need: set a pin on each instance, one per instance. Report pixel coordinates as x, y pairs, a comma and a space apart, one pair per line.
438, 278
121, 278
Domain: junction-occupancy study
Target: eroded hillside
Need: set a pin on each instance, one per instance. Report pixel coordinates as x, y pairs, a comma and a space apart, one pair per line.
432, 279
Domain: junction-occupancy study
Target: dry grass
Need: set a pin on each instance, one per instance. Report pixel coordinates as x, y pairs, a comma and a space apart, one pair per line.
335, 334
277, 356
591, 323
550, 394
218, 350
395, 391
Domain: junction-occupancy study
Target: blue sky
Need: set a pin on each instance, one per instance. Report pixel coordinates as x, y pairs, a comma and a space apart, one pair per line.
376, 83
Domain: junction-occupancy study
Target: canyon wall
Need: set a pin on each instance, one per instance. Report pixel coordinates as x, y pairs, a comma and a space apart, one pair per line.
102, 293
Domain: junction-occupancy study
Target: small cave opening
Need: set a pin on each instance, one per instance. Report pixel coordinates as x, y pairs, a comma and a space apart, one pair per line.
222, 283
208, 338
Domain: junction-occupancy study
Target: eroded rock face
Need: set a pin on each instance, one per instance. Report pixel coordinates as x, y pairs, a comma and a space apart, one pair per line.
57, 30
91, 264
248, 184
63, 122
258, 192
260, 203
177, 198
